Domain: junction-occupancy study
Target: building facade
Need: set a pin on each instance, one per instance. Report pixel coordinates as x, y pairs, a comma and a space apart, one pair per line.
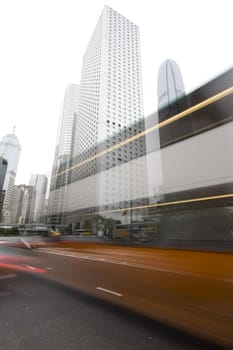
10, 149
170, 90
63, 158
110, 110
39, 184
21, 204
3, 169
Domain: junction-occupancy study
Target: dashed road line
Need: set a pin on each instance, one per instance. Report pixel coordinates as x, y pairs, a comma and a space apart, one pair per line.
109, 291
110, 261
131, 264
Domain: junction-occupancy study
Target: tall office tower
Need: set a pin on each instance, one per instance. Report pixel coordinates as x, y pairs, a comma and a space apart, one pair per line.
170, 89
39, 184
20, 204
10, 150
171, 101
3, 168
111, 102
63, 158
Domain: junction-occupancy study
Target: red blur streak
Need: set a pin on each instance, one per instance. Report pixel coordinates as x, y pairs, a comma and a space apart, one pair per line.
22, 268
18, 244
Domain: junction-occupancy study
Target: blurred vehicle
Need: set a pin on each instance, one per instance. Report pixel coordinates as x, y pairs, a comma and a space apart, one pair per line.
142, 231
83, 232
121, 231
54, 232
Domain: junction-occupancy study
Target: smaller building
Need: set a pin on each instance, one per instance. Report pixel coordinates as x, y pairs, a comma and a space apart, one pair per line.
3, 169
2, 195
21, 203
39, 184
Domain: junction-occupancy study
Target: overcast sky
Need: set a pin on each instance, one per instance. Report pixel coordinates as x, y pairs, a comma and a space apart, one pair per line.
43, 41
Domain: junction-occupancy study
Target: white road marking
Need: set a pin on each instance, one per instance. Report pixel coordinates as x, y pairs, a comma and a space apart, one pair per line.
5, 277
108, 261
25, 243
129, 264
109, 291
49, 268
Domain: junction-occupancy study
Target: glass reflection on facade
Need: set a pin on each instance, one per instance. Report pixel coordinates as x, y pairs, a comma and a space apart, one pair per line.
185, 193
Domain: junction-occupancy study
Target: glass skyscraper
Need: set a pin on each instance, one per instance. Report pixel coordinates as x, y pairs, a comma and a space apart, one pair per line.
110, 109
39, 184
170, 84
63, 157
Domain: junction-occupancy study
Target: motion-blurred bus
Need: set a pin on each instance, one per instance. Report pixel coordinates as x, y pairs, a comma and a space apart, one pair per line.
142, 231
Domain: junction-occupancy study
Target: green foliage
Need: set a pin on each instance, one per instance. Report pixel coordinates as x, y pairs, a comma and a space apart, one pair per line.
87, 224
9, 231
106, 225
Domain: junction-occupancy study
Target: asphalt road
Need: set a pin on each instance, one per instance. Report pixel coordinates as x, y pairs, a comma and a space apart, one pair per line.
189, 290
36, 313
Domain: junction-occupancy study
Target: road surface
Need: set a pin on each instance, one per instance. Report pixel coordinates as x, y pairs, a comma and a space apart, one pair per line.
168, 293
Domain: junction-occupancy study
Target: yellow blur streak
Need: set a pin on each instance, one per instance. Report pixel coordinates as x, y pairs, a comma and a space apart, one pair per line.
171, 120
184, 201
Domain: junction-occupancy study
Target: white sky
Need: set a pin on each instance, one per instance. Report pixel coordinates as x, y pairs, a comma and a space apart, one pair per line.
42, 43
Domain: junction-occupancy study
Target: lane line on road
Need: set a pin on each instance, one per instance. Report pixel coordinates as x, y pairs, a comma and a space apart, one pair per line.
109, 291
25, 243
109, 261
130, 264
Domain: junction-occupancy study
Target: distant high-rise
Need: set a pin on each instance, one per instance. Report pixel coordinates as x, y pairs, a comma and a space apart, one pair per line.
63, 155
171, 101
10, 150
111, 103
21, 204
39, 184
3, 169
170, 89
